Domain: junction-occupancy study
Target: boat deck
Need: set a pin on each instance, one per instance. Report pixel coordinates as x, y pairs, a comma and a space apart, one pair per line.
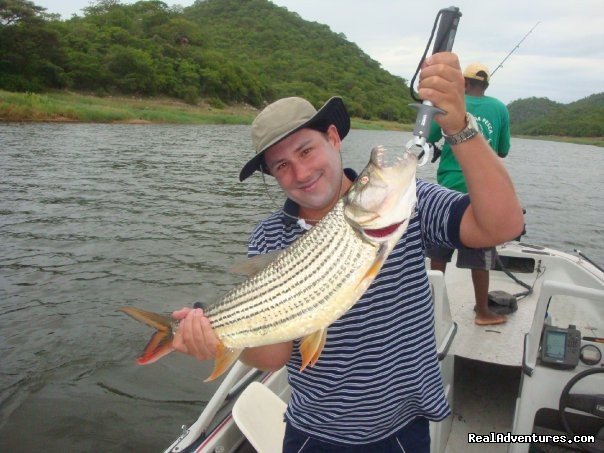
488, 360
484, 398
496, 344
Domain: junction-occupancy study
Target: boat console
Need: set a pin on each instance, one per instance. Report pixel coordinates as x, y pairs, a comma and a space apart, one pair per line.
562, 387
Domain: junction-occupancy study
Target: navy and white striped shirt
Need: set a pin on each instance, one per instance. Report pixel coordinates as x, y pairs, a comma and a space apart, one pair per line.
379, 367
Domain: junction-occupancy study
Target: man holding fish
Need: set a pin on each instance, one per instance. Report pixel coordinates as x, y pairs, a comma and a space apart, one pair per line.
363, 367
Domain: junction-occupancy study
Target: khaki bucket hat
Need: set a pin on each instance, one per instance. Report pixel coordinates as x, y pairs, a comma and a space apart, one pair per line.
288, 115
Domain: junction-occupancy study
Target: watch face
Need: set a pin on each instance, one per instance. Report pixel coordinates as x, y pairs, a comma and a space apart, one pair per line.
472, 121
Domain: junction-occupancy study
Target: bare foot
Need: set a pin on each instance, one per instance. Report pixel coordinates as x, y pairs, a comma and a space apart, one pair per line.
488, 318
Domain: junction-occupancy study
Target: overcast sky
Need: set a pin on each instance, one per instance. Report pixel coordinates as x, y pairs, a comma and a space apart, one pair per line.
562, 59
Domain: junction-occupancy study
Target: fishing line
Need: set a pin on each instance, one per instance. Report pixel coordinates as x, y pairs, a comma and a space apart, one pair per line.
500, 65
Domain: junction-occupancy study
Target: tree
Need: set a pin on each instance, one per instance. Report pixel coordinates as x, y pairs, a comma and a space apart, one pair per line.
132, 70
31, 56
15, 11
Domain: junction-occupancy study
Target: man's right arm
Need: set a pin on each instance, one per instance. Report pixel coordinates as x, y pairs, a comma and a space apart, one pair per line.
268, 358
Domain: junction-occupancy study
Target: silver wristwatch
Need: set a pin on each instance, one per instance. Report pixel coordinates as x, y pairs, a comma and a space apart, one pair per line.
468, 132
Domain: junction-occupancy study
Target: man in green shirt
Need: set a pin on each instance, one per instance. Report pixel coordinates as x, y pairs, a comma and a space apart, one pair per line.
493, 121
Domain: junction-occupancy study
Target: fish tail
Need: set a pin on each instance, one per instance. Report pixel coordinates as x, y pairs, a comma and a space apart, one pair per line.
160, 343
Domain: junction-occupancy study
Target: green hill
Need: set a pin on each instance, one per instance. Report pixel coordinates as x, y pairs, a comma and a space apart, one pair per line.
523, 110
227, 51
540, 116
298, 57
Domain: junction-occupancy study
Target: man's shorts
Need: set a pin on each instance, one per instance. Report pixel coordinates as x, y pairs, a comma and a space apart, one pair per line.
414, 437
485, 259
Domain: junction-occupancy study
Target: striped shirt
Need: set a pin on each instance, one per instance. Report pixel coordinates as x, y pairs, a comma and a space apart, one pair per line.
379, 367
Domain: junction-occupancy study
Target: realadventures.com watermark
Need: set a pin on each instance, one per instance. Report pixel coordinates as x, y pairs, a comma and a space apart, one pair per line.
508, 438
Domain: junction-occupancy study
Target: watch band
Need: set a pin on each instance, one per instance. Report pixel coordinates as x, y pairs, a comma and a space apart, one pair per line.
468, 132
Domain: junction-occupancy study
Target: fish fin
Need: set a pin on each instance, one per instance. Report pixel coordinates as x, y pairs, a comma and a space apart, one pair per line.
372, 272
155, 320
255, 264
160, 343
224, 359
311, 347
319, 350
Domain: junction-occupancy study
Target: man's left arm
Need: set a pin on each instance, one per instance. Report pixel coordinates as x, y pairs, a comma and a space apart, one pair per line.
494, 214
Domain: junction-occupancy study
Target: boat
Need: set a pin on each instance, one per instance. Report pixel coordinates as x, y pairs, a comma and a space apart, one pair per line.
533, 383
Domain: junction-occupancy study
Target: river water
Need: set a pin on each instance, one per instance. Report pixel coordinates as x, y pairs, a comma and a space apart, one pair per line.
95, 217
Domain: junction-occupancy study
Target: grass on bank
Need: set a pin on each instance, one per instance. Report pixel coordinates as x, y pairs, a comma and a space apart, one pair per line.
595, 141
64, 106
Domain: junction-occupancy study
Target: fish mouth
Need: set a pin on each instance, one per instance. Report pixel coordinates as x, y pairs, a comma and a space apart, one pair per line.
379, 233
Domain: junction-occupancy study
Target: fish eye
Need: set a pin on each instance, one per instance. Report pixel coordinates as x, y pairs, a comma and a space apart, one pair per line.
364, 179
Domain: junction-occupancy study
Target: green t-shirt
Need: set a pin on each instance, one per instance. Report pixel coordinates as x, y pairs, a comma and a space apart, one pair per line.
494, 123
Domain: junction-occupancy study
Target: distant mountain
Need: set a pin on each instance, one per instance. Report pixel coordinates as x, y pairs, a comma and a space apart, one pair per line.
523, 110
540, 116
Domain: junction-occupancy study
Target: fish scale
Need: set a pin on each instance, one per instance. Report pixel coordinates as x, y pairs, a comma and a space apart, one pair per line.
286, 300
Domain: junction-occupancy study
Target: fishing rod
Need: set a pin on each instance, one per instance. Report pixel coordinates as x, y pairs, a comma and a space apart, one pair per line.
513, 50
447, 27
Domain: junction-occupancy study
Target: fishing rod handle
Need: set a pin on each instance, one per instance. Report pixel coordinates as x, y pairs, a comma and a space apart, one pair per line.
447, 28
445, 36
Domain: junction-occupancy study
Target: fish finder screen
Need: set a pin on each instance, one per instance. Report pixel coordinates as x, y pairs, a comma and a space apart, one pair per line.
555, 344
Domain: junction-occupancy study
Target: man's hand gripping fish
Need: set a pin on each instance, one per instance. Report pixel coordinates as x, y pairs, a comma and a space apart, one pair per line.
314, 281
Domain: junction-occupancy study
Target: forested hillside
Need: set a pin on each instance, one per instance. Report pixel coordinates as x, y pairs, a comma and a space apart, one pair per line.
226, 51
540, 116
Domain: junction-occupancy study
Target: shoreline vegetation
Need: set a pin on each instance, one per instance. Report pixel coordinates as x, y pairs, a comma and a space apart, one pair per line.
65, 106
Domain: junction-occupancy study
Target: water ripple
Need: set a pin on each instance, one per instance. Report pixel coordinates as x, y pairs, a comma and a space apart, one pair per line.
95, 217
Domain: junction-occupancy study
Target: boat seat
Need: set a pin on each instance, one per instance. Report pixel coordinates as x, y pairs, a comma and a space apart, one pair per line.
258, 413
